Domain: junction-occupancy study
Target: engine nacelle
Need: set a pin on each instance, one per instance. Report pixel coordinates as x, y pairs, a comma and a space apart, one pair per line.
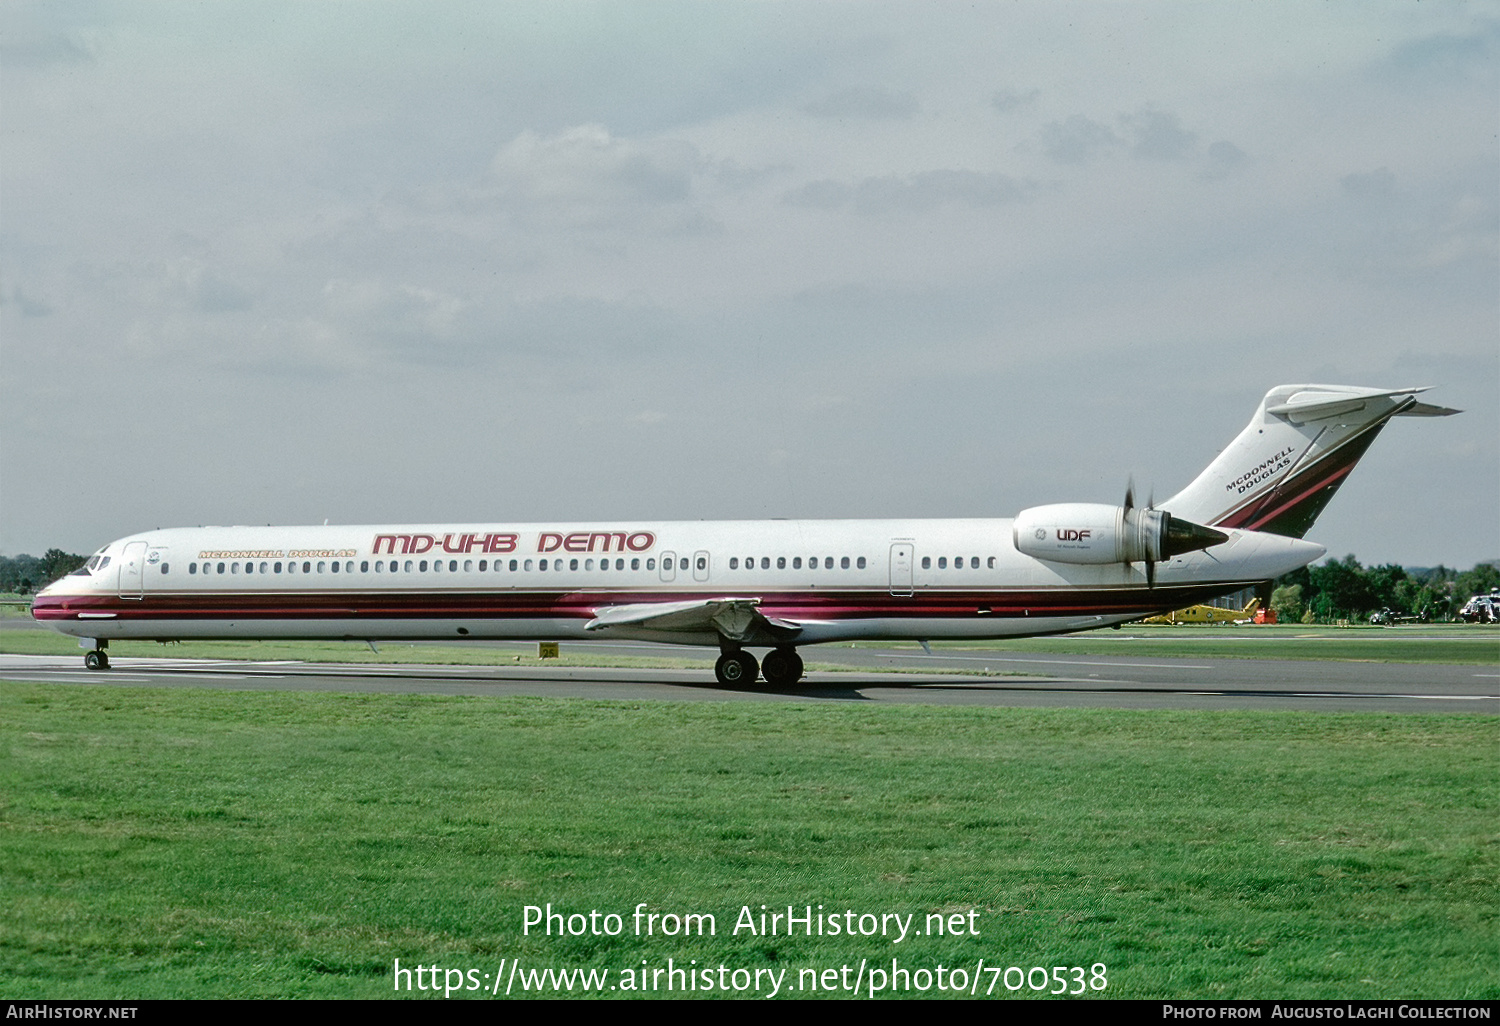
1091, 532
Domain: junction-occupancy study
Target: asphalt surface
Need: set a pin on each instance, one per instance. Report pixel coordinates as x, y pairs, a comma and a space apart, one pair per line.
895, 675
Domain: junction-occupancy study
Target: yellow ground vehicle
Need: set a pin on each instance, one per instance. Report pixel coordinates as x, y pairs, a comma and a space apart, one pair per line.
1208, 614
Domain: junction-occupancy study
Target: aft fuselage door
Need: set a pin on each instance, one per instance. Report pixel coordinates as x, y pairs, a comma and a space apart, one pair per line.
669, 566
700, 566
901, 568
133, 570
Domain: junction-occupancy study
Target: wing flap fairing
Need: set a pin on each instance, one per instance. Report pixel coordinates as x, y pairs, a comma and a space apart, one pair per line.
735, 619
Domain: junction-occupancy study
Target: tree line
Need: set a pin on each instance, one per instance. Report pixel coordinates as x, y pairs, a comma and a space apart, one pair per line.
23, 574
1340, 589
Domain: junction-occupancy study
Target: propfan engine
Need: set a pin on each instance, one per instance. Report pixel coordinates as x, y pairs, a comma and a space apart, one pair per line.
1092, 532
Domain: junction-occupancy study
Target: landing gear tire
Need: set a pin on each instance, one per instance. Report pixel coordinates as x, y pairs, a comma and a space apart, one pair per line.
782, 667
736, 669
96, 660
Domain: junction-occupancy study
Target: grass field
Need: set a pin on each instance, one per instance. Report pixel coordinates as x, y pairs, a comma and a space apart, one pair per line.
1458, 644
1462, 644
190, 843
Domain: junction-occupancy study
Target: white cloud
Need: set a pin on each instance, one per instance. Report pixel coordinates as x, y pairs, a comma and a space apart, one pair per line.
1156, 134
914, 193
1077, 139
586, 177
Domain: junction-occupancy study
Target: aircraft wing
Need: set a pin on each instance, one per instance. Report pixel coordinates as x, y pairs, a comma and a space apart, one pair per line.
737, 619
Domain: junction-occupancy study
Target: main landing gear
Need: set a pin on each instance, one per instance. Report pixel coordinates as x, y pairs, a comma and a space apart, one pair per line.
782, 667
98, 659
737, 668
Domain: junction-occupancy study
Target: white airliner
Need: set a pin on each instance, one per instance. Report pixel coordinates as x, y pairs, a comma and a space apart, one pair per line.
777, 584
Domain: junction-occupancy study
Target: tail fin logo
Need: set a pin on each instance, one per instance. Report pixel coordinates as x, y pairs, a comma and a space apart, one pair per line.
1265, 470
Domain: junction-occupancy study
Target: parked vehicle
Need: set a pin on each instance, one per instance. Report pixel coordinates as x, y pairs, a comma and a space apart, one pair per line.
1389, 617
1481, 609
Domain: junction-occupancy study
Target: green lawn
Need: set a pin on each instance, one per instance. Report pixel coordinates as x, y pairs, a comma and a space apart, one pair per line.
184, 843
1462, 644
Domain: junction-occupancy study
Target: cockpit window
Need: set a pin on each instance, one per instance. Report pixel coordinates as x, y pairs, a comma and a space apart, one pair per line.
98, 561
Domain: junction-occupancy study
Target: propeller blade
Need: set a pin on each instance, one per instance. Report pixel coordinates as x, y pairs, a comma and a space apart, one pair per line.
1130, 492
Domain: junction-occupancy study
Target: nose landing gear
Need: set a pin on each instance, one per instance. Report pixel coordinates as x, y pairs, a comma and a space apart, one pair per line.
98, 659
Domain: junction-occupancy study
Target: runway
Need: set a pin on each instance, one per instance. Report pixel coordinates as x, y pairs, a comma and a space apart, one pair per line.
875, 675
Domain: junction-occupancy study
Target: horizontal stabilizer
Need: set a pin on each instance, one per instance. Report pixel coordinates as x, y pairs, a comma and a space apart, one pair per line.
1427, 410
1317, 402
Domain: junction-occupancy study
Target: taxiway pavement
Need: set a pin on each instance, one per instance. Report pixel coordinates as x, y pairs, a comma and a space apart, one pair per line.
873, 675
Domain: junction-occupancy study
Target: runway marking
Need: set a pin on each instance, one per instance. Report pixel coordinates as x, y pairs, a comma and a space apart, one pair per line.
82, 676
1092, 687
1065, 662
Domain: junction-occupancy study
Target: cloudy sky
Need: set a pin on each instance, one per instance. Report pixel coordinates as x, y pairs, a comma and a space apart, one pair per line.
372, 262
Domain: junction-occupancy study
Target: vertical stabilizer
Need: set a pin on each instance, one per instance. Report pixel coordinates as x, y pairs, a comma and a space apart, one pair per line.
1284, 467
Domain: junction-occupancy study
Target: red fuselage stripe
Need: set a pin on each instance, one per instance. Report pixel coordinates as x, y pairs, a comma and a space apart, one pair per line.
490, 605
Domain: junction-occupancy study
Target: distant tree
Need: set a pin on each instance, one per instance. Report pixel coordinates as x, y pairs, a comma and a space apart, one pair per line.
1343, 591
1481, 580
17, 573
1384, 587
21, 573
1286, 603
55, 564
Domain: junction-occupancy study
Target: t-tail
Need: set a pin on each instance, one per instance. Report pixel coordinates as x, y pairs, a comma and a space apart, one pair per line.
1299, 447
